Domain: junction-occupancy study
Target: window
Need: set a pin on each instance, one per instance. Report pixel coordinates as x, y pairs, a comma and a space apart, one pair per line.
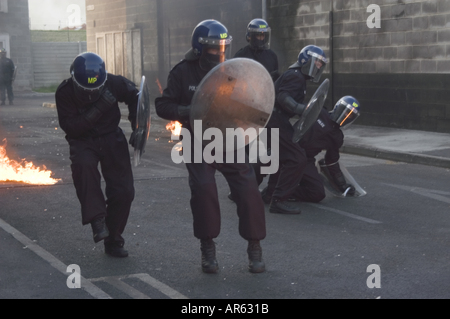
3, 5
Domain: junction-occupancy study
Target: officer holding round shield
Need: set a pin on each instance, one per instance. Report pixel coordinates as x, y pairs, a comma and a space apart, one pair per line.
210, 43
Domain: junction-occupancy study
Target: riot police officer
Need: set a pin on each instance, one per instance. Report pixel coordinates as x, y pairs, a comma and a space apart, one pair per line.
210, 43
325, 134
6, 78
89, 114
290, 90
258, 37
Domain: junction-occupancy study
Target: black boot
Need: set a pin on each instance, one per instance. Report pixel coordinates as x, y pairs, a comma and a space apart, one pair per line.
3, 103
99, 229
284, 207
256, 264
116, 250
209, 262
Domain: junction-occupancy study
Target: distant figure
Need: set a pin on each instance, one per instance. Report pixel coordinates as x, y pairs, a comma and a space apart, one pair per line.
6, 78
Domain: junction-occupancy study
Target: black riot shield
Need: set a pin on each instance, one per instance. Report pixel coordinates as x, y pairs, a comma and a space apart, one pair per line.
238, 93
311, 112
143, 121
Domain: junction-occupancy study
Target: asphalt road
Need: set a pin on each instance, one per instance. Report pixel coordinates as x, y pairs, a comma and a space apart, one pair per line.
402, 225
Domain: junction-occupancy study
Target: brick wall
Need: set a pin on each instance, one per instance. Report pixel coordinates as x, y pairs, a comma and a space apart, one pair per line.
399, 72
15, 22
167, 25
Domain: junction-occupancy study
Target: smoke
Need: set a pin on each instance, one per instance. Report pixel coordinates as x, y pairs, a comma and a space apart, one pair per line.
56, 14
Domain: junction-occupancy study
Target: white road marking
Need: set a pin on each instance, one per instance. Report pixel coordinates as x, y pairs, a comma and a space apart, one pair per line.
146, 278
430, 193
130, 291
89, 287
340, 212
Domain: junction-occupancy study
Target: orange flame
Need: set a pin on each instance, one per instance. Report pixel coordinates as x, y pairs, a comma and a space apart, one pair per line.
174, 127
159, 86
24, 172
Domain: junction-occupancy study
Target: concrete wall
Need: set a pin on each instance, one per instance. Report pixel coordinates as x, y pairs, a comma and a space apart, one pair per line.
15, 22
399, 72
52, 60
166, 27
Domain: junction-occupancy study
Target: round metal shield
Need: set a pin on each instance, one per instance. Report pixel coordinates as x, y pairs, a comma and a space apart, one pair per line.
312, 111
143, 121
236, 94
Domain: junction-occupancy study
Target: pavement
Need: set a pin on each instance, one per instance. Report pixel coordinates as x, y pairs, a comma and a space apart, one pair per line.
398, 145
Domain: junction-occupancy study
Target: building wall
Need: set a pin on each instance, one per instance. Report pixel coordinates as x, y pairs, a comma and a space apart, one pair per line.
399, 72
52, 60
166, 27
15, 22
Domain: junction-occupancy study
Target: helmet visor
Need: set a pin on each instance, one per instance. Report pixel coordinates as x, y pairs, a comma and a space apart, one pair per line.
214, 52
86, 94
259, 38
346, 114
315, 66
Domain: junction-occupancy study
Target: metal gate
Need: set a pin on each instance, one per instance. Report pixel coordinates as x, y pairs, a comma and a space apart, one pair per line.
122, 53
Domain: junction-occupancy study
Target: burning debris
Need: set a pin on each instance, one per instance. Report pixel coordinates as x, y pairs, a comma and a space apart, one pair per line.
24, 172
175, 128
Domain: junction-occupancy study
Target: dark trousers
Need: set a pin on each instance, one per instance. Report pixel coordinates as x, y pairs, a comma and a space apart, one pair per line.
292, 159
205, 201
111, 151
6, 88
310, 188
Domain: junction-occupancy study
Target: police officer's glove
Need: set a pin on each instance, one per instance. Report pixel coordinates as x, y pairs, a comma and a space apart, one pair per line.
106, 101
133, 139
344, 187
349, 191
183, 112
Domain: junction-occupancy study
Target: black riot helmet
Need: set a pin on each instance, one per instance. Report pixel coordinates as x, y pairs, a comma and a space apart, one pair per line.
311, 61
346, 111
209, 35
89, 76
258, 34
